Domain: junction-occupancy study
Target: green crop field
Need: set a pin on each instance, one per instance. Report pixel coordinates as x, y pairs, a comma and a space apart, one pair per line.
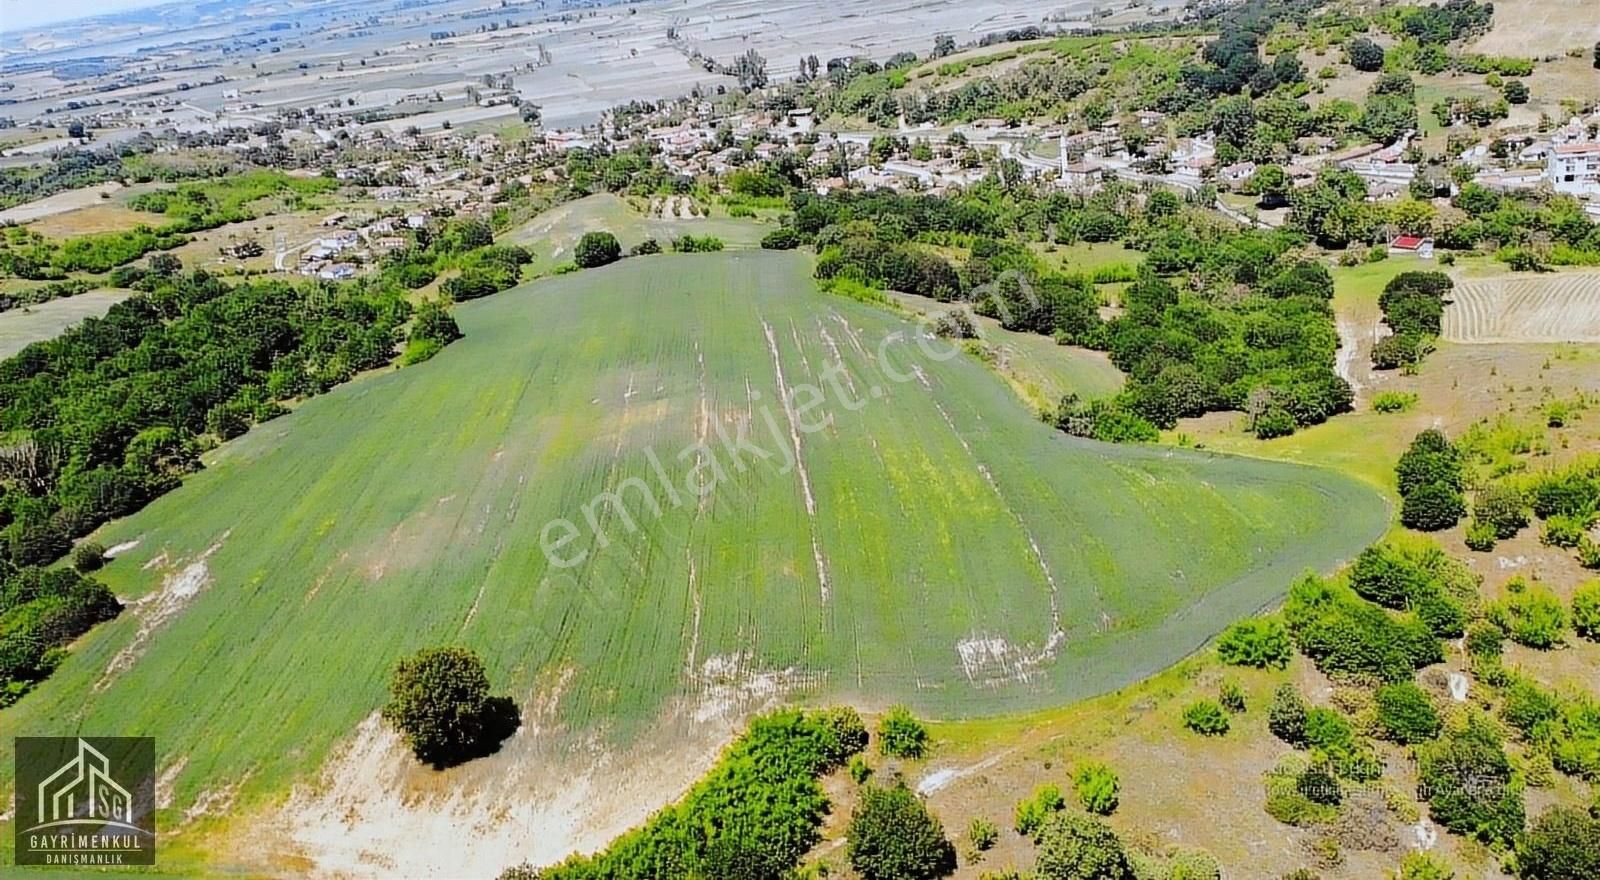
554, 233
931, 542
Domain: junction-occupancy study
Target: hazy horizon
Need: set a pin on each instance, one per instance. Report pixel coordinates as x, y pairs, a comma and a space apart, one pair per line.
21, 15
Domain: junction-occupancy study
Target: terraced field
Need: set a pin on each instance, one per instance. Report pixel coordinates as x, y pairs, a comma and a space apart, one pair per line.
917, 535
1563, 307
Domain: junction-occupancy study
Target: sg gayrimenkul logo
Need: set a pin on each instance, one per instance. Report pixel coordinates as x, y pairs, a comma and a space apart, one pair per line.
85, 801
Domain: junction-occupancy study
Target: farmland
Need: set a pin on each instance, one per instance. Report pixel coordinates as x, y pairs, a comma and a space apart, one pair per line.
23, 326
934, 544
1546, 308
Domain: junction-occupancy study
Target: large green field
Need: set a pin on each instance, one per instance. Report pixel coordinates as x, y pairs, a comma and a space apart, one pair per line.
933, 543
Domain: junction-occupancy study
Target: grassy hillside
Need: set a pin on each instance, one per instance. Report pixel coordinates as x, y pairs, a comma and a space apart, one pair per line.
935, 544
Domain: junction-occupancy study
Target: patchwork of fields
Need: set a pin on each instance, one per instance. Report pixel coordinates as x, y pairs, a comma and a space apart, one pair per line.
1562, 307
930, 541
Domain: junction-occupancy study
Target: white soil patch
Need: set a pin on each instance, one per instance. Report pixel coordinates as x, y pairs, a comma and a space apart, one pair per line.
116, 550
375, 811
178, 589
1561, 307
729, 687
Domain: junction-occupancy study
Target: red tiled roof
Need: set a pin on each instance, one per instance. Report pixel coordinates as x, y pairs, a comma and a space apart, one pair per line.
1407, 242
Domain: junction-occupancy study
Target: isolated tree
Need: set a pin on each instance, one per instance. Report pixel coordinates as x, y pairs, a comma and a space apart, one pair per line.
1432, 508
596, 249
892, 836
1365, 55
1286, 716
439, 700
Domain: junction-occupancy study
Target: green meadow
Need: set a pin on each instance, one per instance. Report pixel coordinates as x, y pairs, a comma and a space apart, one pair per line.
909, 532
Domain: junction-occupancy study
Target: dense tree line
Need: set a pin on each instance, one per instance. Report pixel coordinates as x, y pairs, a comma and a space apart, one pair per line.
41, 611
109, 414
1413, 307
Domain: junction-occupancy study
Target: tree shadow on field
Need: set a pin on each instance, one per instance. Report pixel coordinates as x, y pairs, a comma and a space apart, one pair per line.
490, 727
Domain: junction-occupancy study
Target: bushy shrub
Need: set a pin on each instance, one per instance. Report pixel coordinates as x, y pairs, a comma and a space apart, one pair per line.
1466, 778
1562, 844
982, 834
783, 239
1259, 642
1073, 847
1286, 716
1530, 614
1503, 507
1432, 508
1345, 635
645, 248
1393, 401
1031, 814
1425, 866
1586, 610
1405, 713
1097, 787
88, 557
901, 735
1205, 717
1480, 536
1564, 530
1231, 696
892, 836
596, 249
1485, 639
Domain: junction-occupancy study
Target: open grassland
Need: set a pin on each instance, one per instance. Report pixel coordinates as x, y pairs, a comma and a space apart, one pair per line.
21, 327
934, 543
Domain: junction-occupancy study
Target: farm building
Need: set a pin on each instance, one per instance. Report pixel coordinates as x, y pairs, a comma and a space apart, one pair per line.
1412, 244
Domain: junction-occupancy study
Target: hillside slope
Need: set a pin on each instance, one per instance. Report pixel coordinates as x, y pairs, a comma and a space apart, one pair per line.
933, 544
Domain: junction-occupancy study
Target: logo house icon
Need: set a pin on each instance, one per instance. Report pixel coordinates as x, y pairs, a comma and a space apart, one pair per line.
82, 791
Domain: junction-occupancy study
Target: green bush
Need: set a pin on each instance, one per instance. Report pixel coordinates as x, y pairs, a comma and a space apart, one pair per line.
860, 771
982, 834
901, 735
88, 557
1485, 639
1346, 635
892, 836
1586, 610
1097, 787
783, 239
1073, 847
1531, 615
697, 244
1503, 507
1405, 713
1480, 536
1466, 779
755, 814
1231, 696
1030, 814
596, 249
1431, 508
1425, 866
1258, 642
1286, 716
1564, 530
1562, 844
1205, 717
1393, 401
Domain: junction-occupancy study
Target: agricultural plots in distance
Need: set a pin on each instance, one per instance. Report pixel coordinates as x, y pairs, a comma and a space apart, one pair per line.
931, 541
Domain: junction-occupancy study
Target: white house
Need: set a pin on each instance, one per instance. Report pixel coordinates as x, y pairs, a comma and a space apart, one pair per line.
1574, 167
